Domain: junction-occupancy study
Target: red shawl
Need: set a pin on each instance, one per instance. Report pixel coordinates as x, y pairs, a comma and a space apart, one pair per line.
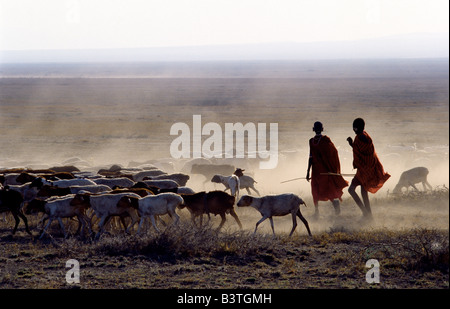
325, 159
370, 172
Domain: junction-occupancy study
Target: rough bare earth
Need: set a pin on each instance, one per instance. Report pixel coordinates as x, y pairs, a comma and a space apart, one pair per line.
187, 257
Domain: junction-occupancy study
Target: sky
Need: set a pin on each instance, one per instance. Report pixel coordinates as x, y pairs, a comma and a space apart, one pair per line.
97, 24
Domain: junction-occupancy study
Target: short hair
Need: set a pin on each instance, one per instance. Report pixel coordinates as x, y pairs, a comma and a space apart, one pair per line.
318, 126
359, 123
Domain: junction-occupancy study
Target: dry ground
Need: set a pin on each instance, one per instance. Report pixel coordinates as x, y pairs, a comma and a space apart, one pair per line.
104, 114
185, 257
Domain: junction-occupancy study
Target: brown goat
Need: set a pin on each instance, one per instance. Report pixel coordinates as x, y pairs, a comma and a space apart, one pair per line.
214, 202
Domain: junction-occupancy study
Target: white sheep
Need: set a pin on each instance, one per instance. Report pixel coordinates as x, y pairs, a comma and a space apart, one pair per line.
90, 189
230, 182
57, 208
151, 173
108, 205
276, 205
157, 205
122, 182
411, 177
65, 183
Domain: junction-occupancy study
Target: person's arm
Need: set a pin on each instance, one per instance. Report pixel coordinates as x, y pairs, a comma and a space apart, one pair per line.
309, 167
350, 141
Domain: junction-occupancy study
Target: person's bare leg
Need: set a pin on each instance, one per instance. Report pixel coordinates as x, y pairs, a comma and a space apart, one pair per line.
337, 207
365, 197
358, 201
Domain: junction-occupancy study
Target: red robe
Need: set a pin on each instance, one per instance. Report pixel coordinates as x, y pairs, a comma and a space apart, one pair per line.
370, 172
325, 159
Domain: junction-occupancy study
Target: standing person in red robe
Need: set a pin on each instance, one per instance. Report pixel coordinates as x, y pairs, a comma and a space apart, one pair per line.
323, 158
370, 173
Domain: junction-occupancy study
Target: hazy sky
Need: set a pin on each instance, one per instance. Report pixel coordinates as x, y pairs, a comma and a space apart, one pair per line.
67, 24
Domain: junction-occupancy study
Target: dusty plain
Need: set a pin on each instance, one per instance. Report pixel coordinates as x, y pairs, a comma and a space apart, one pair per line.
96, 115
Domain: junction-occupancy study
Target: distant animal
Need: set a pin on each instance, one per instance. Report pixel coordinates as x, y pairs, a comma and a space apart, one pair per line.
412, 177
276, 205
179, 178
209, 170
231, 183
245, 182
123, 182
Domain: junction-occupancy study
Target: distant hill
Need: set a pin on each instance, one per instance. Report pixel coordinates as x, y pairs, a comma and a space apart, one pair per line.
425, 45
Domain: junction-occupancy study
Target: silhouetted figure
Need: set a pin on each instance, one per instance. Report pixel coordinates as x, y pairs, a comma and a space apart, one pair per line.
324, 159
370, 174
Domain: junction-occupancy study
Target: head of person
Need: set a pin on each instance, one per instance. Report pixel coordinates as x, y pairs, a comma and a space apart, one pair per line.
358, 125
318, 127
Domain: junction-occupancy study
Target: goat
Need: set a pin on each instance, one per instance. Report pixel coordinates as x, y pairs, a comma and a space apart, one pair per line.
246, 182
63, 183
276, 205
209, 170
179, 178
57, 208
90, 188
107, 205
215, 202
25, 177
156, 205
411, 177
123, 182
152, 173
178, 190
28, 192
142, 192
230, 182
11, 200
162, 184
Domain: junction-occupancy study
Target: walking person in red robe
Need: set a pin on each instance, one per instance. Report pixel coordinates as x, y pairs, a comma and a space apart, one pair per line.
370, 174
324, 159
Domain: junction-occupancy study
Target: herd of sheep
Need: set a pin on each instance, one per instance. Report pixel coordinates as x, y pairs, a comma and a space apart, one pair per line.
138, 194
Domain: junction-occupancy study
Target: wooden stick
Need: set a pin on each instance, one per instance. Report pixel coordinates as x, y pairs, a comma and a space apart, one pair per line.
337, 174
293, 179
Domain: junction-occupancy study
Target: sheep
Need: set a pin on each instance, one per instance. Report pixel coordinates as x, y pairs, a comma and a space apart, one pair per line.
230, 182
246, 182
139, 191
28, 192
162, 184
411, 177
57, 208
152, 173
123, 182
90, 188
209, 170
63, 183
11, 200
25, 177
215, 202
179, 178
47, 191
179, 190
107, 205
156, 205
276, 205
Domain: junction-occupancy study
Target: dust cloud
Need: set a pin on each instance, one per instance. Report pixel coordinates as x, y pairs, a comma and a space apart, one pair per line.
52, 117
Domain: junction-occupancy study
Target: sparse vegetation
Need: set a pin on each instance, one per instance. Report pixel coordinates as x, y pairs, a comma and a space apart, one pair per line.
188, 257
